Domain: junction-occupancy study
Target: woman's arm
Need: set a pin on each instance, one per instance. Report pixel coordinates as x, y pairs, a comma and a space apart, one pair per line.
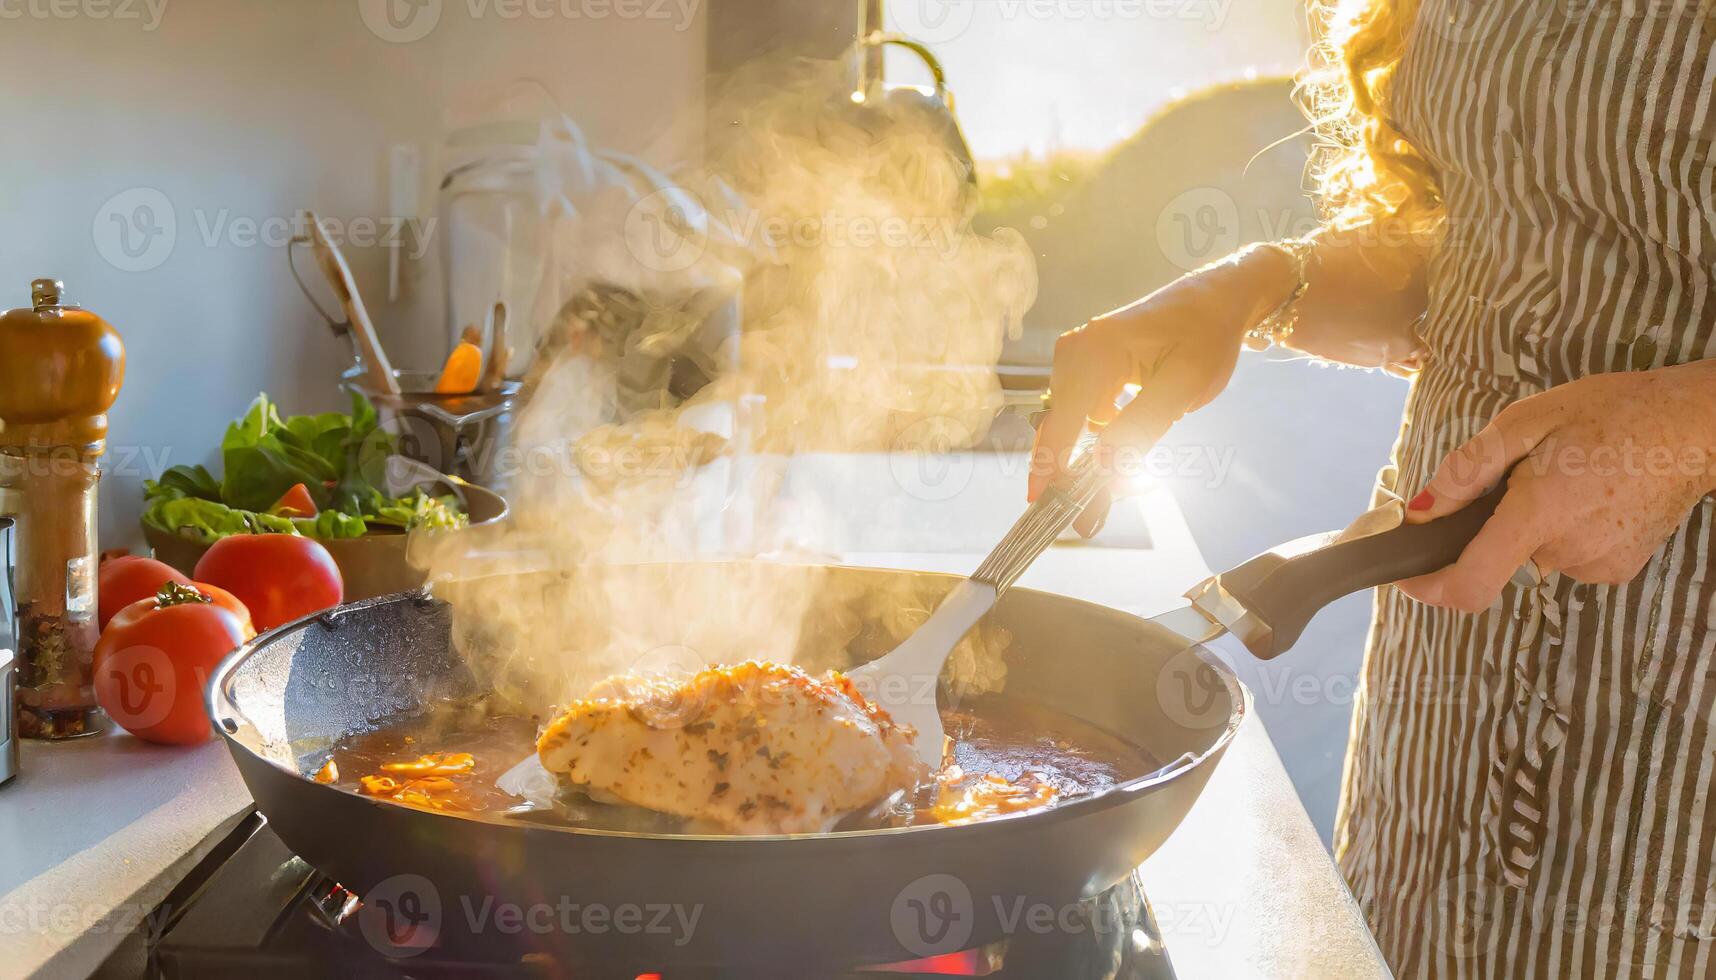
1364, 290
1364, 294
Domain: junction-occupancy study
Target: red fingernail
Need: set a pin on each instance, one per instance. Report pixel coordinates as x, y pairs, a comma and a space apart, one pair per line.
1424, 501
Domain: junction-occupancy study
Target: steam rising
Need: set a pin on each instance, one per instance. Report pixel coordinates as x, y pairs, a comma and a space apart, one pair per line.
865, 316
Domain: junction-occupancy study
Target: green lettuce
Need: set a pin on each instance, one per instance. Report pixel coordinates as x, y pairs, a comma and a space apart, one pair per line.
208, 521
338, 458
331, 524
421, 511
186, 481
264, 456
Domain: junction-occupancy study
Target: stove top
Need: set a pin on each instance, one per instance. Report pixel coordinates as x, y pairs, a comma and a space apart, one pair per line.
254, 909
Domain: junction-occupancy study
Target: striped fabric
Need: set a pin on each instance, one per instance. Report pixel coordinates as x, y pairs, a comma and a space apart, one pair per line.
1528, 791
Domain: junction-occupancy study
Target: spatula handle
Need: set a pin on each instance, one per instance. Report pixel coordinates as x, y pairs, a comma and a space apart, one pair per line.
1281, 590
1044, 520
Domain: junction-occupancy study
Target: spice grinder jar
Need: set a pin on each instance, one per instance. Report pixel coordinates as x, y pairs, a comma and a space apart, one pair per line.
60, 371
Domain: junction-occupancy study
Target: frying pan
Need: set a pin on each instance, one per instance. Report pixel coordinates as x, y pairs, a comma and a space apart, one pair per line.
872, 896
283, 699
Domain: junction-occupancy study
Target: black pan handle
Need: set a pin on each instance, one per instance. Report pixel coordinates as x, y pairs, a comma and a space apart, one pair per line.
1281, 590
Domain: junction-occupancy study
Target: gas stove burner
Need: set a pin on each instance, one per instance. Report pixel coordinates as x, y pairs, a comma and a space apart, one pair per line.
253, 908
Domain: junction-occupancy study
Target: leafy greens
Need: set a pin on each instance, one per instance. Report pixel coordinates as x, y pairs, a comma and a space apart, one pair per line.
338, 458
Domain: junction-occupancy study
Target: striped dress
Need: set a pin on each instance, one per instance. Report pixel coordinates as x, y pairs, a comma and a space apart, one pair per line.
1531, 792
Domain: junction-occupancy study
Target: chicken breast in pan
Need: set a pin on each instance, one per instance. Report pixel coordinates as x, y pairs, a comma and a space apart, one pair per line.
754, 748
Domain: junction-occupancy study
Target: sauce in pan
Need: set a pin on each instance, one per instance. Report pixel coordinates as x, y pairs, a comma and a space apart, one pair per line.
1008, 756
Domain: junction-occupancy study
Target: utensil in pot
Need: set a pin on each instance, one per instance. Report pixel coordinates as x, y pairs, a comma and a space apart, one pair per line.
377, 371
494, 368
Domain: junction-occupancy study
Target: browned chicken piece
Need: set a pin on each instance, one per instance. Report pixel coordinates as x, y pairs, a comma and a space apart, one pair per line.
749, 749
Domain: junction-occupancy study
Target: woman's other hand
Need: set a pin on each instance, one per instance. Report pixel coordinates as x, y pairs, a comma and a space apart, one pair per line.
1608, 467
1179, 344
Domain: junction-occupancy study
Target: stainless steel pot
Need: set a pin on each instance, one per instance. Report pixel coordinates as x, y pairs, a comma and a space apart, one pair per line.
458, 434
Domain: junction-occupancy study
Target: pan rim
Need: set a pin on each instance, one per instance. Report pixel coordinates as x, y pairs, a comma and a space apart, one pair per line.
218, 693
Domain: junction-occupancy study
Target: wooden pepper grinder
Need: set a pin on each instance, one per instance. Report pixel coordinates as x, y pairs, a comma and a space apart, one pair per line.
60, 370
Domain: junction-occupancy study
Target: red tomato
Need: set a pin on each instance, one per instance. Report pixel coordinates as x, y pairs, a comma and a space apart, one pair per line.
122, 581
226, 600
154, 661
295, 502
278, 577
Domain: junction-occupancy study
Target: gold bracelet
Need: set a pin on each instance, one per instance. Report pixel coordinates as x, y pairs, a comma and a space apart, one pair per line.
1278, 325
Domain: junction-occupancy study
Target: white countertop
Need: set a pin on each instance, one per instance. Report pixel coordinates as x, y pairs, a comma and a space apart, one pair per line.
95, 832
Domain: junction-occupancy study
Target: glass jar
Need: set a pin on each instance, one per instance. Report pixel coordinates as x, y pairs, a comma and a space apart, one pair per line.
494, 233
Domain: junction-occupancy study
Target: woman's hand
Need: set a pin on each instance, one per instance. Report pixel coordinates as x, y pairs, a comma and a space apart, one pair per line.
1179, 344
1365, 290
1608, 467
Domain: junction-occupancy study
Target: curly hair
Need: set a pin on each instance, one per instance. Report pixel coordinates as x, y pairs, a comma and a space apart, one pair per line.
1364, 169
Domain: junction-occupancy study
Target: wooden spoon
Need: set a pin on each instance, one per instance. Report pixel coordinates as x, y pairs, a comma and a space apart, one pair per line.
378, 372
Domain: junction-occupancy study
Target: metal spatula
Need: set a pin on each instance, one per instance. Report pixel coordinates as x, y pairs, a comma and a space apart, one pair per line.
904, 681
1266, 602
